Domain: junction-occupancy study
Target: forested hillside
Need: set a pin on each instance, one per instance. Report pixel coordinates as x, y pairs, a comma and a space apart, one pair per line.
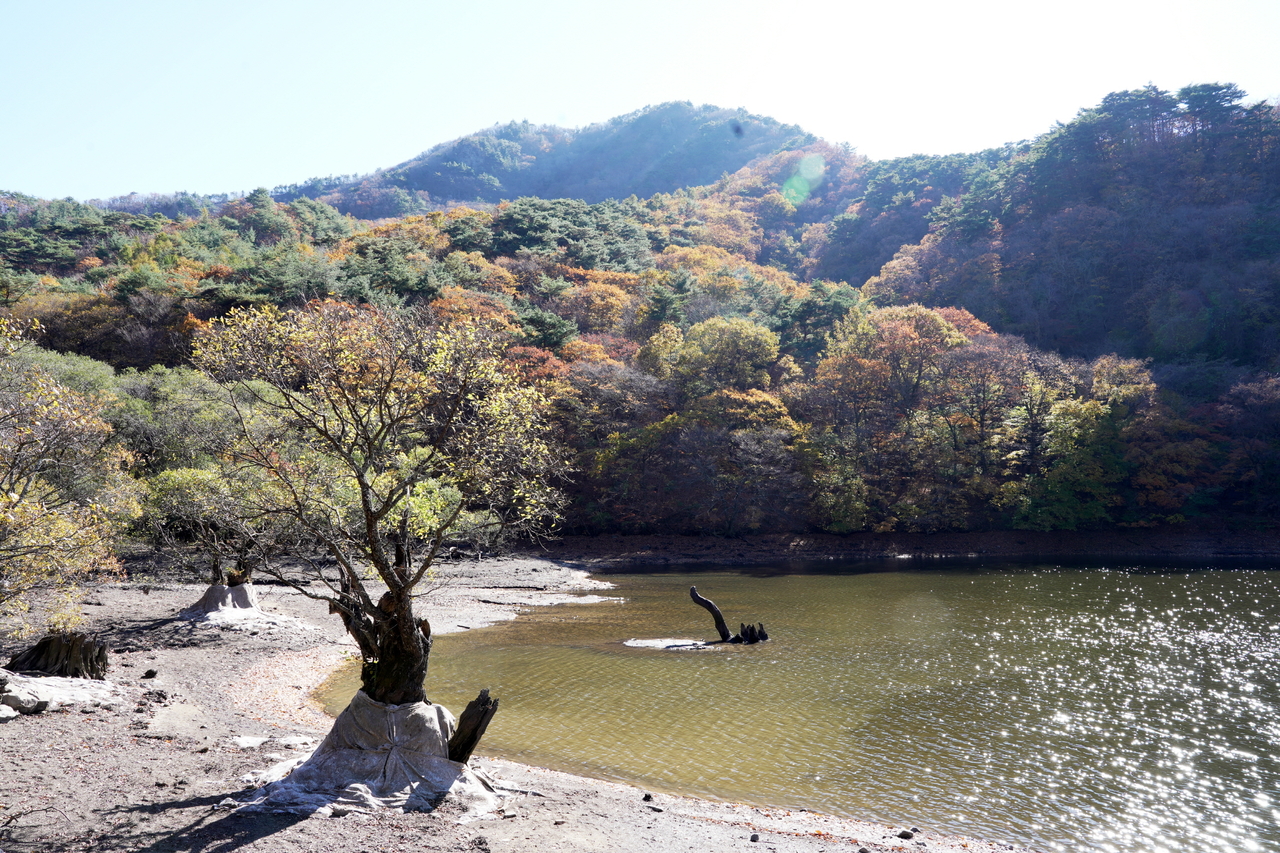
738, 328
1149, 225
655, 149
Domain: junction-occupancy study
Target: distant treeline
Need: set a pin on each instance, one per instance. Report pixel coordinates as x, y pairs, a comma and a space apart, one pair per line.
1080, 331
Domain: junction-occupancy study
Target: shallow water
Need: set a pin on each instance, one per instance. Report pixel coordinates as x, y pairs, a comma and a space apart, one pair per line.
1065, 709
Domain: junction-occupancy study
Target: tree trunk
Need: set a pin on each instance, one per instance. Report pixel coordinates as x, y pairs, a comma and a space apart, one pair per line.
241, 574
395, 670
721, 627
67, 655
471, 726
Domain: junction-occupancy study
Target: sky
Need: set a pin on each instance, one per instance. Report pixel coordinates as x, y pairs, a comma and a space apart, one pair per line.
104, 99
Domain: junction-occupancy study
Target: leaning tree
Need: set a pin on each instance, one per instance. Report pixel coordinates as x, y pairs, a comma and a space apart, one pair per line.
382, 434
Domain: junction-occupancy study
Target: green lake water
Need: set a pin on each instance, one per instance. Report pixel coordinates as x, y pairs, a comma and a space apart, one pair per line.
1068, 709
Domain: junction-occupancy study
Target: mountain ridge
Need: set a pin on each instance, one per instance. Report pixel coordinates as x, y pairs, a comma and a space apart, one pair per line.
654, 149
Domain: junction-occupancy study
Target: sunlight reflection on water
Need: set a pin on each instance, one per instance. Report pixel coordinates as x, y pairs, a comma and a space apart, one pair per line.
1061, 708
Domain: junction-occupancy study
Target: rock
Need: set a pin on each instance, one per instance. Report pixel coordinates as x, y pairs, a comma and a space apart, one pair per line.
29, 694
648, 798
297, 742
151, 673
906, 835
23, 699
755, 836
7, 713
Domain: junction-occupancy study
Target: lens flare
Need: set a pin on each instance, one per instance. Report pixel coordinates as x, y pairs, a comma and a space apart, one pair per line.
805, 179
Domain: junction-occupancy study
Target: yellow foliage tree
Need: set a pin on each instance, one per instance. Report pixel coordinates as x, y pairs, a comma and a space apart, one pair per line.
64, 493
595, 306
386, 434
456, 305
580, 350
422, 231
721, 273
725, 353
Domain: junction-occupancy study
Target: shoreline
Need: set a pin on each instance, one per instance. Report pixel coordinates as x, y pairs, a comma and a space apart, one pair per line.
1182, 544
800, 826
225, 703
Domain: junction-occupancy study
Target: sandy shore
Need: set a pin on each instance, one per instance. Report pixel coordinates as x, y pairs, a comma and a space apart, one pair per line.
148, 772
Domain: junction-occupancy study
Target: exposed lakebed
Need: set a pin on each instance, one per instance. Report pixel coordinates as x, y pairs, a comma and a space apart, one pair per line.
1122, 708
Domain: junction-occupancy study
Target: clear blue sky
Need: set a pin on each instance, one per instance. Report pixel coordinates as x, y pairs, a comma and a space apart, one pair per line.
105, 98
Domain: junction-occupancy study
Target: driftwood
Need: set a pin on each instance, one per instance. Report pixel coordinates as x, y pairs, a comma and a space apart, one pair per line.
721, 628
67, 655
747, 634
471, 725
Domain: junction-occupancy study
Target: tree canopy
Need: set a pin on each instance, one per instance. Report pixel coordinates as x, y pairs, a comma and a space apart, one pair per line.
805, 339
64, 491
381, 435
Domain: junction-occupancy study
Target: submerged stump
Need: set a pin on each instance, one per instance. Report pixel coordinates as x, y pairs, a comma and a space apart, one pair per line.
748, 634
721, 628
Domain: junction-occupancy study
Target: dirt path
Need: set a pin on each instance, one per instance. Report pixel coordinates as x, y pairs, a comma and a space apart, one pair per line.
149, 773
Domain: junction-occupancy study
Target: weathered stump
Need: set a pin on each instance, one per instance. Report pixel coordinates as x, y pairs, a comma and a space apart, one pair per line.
471, 726
377, 755
224, 599
66, 655
747, 634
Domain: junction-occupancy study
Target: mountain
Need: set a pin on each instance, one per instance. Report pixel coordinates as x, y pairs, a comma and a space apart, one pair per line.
1149, 225
656, 149
774, 333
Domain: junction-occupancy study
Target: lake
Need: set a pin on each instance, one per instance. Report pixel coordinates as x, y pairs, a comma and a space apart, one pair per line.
1109, 709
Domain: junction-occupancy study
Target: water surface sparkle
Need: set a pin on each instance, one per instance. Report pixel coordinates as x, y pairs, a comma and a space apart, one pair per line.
1063, 709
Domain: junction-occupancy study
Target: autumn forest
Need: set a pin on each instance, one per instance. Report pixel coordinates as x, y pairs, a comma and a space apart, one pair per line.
732, 327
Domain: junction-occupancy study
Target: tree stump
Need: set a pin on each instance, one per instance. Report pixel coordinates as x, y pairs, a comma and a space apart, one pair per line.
471, 725
66, 655
748, 634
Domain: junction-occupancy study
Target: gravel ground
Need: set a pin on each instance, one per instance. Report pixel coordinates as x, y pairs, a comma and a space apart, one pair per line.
148, 772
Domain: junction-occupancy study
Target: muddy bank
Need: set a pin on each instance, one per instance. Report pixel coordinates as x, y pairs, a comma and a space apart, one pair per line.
617, 553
